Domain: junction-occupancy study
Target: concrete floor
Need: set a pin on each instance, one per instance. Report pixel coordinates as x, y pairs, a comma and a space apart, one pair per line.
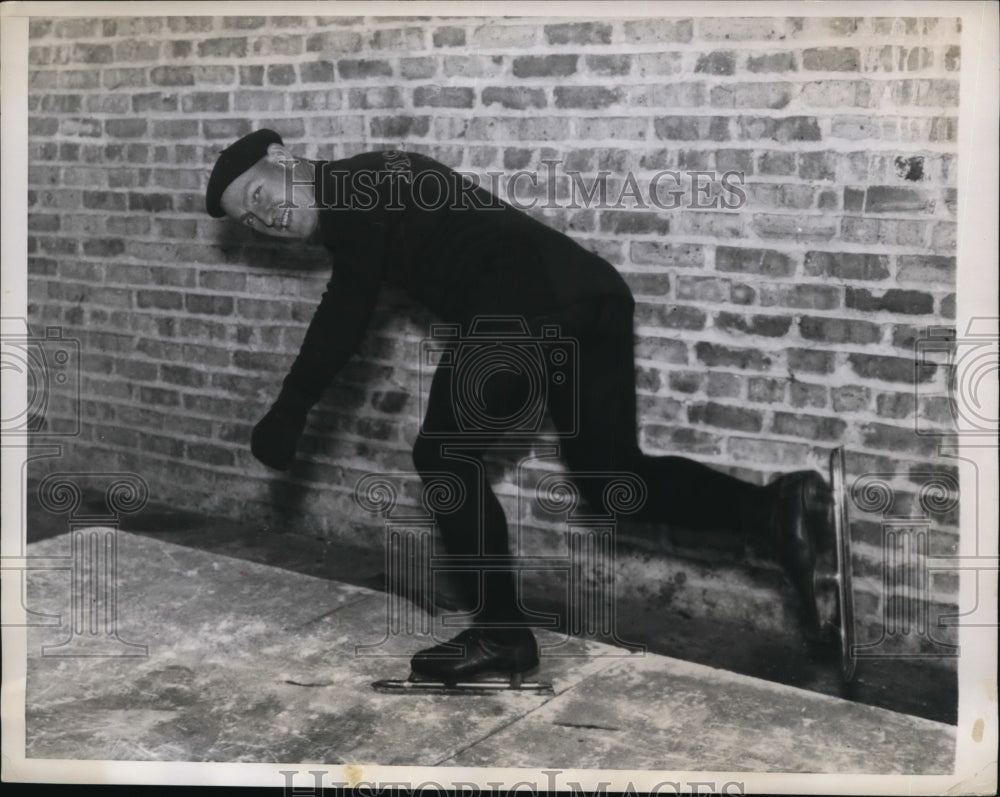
249, 662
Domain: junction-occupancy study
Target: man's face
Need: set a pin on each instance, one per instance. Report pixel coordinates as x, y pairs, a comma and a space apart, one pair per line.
259, 198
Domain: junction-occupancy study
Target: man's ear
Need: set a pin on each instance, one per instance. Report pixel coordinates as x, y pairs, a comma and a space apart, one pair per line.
277, 154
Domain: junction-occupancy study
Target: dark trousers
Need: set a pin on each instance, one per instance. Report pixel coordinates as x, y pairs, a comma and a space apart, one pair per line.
595, 415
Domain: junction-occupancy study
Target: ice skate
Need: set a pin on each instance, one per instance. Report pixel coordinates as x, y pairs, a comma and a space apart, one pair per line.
841, 577
478, 661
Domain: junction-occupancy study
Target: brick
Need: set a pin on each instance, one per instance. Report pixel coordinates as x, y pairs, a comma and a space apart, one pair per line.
637, 222
411, 39
725, 417
763, 325
891, 369
723, 385
805, 394
153, 203
890, 301
319, 100
449, 37
182, 375
953, 58
898, 232
316, 72
230, 129
135, 50
897, 439
839, 330
517, 98
209, 454
337, 41
692, 128
103, 200
160, 300
778, 163
235, 47
658, 64
351, 69
158, 396
831, 59
810, 360
103, 247
125, 128
659, 31
772, 62
608, 65
743, 28
281, 74
399, 126
895, 405
925, 93
172, 76
578, 33
244, 23
947, 306
744, 449
818, 165
41, 126
810, 427
851, 398
766, 390
926, 268
816, 297
93, 53
712, 354
847, 265
775, 225
753, 261
208, 304
473, 65
586, 96
718, 62
789, 128
673, 317
443, 97
787, 196
753, 95
667, 254
527, 66
685, 381
661, 350
417, 68
896, 199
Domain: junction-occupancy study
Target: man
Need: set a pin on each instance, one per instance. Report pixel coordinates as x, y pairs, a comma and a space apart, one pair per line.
404, 219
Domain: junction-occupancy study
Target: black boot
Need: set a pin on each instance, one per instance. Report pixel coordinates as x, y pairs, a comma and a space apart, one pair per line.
477, 652
796, 528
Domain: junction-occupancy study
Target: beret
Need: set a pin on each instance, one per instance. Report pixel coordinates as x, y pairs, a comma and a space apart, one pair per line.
233, 161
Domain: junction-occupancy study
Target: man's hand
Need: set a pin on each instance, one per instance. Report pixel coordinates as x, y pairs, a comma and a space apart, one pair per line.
276, 437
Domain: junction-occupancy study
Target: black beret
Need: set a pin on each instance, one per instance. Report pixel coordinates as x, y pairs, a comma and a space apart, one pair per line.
233, 161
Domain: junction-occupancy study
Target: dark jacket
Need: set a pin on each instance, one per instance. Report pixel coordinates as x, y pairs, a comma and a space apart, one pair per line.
406, 220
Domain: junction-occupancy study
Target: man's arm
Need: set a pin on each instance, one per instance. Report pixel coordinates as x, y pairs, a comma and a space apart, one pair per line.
334, 334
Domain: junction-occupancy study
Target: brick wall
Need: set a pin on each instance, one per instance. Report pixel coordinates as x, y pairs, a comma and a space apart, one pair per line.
766, 334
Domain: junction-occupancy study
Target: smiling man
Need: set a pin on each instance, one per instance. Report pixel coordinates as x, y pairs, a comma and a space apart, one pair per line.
406, 220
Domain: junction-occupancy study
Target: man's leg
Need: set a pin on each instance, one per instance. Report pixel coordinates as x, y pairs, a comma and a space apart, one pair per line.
787, 519
499, 640
680, 491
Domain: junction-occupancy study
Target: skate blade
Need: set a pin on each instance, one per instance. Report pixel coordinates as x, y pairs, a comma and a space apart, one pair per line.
843, 581
484, 687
